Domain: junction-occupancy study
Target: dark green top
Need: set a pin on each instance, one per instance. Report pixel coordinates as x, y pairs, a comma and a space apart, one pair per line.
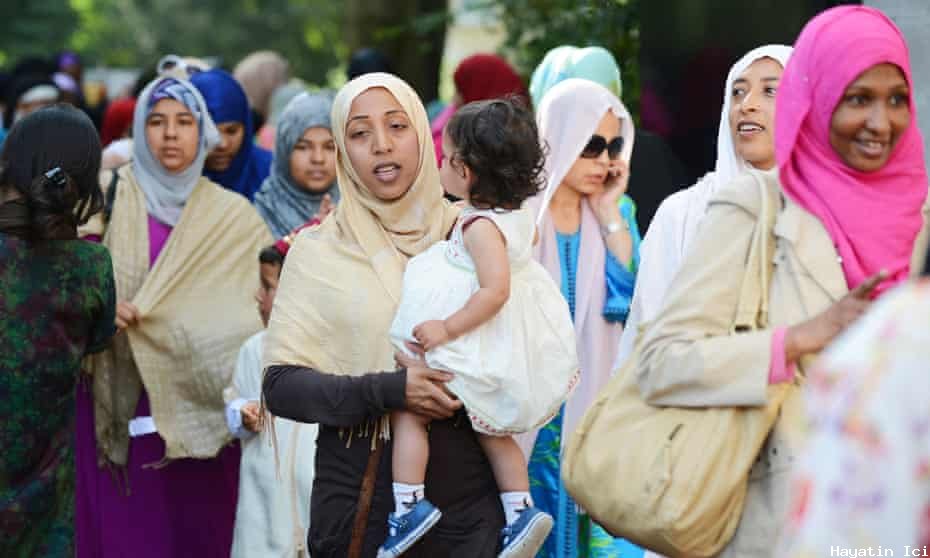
57, 304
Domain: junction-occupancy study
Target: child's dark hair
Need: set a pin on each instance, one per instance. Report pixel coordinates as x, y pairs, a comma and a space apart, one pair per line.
51, 162
499, 142
271, 255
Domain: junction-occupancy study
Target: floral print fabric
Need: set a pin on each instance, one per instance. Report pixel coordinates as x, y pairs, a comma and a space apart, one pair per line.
862, 487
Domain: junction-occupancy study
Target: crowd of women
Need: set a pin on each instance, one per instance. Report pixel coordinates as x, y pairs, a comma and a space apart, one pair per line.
416, 366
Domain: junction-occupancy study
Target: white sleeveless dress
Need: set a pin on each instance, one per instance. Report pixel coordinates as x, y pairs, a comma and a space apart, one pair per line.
513, 372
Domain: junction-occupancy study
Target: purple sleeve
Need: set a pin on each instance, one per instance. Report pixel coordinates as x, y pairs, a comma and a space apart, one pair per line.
780, 370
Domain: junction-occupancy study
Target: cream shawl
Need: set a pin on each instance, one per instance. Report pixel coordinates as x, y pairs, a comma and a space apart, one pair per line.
341, 281
197, 310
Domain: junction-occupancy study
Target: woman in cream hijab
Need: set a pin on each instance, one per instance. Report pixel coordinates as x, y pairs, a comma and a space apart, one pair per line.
327, 342
749, 102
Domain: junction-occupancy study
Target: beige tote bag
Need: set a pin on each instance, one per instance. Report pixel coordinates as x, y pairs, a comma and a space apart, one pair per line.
679, 489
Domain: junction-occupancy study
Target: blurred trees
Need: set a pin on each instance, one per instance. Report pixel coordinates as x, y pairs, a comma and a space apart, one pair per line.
316, 36
137, 33
534, 27
34, 27
411, 33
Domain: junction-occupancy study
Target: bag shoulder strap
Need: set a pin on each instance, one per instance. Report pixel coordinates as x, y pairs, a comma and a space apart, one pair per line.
365, 495
752, 309
110, 198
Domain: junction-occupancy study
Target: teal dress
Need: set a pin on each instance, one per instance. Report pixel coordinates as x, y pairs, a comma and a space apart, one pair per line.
574, 534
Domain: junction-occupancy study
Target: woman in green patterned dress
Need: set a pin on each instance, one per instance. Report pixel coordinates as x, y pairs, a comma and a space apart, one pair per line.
57, 304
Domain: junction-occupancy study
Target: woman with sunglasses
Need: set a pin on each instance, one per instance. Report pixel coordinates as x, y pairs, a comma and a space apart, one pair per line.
746, 139
589, 243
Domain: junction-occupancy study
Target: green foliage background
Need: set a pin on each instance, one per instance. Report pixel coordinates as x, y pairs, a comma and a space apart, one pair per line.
536, 26
136, 33
316, 36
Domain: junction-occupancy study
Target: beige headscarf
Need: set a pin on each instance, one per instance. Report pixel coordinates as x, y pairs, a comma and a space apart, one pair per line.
341, 281
260, 73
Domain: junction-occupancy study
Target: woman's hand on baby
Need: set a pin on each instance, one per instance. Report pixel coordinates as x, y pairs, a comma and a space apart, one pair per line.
431, 334
425, 392
251, 417
126, 315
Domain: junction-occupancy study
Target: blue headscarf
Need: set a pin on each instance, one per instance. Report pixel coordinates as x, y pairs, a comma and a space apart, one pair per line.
227, 102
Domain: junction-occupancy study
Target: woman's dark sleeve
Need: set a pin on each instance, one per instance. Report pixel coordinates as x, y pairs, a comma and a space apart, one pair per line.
307, 395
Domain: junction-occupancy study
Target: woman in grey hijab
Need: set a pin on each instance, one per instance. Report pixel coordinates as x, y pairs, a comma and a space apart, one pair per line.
303, 172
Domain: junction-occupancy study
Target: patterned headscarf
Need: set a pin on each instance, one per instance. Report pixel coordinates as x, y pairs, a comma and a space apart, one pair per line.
167, 192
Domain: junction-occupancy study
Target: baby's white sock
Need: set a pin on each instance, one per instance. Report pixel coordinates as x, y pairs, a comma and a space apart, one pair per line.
406, 497
514, 503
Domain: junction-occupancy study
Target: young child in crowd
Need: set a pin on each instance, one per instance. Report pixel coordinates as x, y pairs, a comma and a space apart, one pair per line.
482, 308
272, 515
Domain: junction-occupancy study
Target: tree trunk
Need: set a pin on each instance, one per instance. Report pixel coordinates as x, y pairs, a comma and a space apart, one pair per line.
411, 33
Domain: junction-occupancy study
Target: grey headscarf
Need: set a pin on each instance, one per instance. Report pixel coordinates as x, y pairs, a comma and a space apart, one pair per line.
281, 98
167, 192
281, 202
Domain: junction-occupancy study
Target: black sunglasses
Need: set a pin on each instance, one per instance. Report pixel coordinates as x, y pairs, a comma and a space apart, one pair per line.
597, 144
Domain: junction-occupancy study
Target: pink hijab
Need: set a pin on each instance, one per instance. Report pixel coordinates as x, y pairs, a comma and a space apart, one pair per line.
568, 115
872, 217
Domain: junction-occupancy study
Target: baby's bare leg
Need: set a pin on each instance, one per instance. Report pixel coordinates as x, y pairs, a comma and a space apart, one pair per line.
507, 462
411, 447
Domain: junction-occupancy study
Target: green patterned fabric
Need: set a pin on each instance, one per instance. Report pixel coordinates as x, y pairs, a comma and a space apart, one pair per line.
57, 304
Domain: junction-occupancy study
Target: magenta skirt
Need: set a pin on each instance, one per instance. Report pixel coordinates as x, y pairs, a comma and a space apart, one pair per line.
186, 508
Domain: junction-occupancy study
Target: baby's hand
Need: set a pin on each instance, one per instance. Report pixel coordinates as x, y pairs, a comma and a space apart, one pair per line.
251, 417
431, 334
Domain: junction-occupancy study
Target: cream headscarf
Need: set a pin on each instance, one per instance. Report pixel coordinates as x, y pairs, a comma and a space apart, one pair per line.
341, 281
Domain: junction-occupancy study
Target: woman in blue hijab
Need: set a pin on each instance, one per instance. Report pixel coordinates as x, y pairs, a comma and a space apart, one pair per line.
236, 163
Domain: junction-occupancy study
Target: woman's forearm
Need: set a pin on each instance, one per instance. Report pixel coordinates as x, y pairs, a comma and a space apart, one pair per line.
620, 243
307, 395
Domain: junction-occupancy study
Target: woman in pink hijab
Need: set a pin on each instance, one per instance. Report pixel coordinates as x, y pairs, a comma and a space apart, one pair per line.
847, 143
840, 216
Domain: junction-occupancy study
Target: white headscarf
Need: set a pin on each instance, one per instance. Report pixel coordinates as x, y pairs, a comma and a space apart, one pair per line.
568, 115
167, 192
676, 221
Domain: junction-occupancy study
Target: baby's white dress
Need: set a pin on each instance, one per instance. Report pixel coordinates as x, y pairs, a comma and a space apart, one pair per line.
513, 372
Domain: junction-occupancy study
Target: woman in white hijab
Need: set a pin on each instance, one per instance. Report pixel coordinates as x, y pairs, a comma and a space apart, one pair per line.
746, 139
